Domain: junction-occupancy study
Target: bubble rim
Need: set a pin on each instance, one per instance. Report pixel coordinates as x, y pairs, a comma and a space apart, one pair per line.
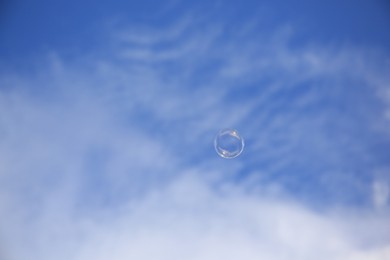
236, 135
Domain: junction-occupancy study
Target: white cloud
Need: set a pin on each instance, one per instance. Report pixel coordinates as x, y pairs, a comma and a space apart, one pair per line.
112, 158
381, 188
380, 193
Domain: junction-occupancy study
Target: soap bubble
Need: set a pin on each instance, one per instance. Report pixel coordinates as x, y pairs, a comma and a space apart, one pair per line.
228, 143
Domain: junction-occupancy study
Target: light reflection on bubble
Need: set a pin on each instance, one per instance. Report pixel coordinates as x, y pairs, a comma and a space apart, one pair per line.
228, 143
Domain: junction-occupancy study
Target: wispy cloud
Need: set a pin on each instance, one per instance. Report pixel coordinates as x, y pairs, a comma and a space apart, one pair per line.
111, 157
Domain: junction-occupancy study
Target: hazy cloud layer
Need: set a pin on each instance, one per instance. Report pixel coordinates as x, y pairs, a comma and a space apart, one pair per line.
109, 156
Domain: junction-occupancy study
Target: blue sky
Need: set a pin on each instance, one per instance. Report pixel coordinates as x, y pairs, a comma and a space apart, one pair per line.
108, 113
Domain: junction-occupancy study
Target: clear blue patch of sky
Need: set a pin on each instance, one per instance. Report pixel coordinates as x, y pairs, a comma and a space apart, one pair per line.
33, 27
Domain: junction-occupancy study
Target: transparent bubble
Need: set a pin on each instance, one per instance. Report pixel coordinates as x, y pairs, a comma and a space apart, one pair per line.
228, 143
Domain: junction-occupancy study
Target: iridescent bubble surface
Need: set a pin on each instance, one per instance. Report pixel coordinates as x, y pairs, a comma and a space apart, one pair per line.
228, 143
